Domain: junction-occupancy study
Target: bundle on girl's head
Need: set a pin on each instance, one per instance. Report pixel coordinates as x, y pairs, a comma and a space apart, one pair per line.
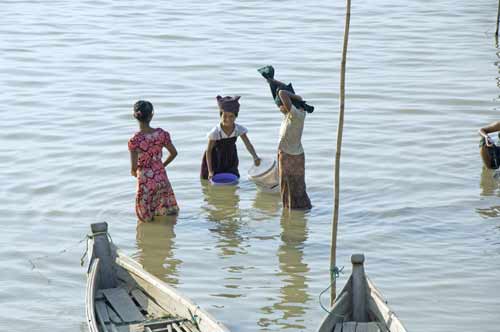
143, 110
229, 104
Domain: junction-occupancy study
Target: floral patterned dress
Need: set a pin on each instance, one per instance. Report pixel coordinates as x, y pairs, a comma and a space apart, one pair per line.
155, 196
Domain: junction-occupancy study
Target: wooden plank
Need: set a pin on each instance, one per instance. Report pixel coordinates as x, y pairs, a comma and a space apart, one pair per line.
359, 286
90, 295
176, 327
113, 327
372, 327
341, 308
364, 327
188, 326
147, 304
379, 308
162, 323
100, 307
385, 316
131, 328
338, 327
113, 316
349, 327
123, 305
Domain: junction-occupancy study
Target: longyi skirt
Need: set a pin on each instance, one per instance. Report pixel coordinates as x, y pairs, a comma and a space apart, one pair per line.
292, 181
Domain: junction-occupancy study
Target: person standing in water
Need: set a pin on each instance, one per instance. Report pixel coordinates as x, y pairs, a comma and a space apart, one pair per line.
490, 153
155, 196
221, 155
291, 157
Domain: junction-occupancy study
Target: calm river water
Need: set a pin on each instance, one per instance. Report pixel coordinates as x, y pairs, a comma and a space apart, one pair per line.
422, 78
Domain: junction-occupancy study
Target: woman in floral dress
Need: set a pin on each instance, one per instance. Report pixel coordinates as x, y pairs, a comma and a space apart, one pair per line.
155, 196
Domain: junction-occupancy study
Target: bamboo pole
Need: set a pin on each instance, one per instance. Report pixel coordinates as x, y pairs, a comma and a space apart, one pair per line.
498, 17
340, 128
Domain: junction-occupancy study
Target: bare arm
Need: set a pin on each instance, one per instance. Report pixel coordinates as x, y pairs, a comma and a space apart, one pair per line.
250, 148
133, 163
286, 98
208, 155
172, 154
493, 127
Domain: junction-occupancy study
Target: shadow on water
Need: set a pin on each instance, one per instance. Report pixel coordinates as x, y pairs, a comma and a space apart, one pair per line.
156, 249
293, 296
222, 207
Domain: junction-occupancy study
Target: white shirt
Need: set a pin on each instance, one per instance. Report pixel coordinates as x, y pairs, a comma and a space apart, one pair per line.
291, 132
217, 133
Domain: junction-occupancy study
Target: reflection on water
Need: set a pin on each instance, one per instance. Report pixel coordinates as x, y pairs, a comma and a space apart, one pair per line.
490, 185
156, 248
268, 203
490, 182
222, 206
292, 271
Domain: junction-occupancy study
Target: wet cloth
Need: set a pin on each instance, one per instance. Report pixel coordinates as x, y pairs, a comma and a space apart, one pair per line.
268, 73
224, 154
291, 130
155, 196
493, 154
291, 170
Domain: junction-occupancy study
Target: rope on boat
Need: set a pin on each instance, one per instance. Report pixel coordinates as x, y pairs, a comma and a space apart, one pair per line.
57, 253
89, 237
335, 273
195, 319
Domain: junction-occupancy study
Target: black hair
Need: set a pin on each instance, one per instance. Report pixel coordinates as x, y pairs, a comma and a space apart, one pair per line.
143, 110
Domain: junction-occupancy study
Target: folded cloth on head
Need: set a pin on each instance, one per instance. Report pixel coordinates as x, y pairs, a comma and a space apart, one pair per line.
229, 104
268, 73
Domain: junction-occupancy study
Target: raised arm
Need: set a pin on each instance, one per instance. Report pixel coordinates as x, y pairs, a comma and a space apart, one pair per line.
250, 148
286, 98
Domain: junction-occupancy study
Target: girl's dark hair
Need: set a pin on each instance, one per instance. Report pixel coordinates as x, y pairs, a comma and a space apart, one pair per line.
143, 110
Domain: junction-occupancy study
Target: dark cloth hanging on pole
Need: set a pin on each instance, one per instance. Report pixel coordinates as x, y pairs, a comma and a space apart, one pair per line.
268, 73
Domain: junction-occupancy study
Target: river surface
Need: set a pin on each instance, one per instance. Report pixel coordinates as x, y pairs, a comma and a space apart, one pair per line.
422, 78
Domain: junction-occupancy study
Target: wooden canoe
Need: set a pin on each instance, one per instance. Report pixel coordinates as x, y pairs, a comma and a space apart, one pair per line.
122, 297
360, 307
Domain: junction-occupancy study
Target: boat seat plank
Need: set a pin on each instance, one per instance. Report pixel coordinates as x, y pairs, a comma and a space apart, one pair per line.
177, 328
130, 328
113, 316
367, 327
189, 326
147, 304
112, 327
373, 327
121, 302
162, 323
101, 311
349, 327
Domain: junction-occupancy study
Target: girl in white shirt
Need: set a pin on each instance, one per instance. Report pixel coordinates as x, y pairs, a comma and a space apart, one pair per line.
221, 155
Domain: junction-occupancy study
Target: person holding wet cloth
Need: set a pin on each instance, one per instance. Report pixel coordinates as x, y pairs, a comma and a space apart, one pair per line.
291, 157
221, 155
490, 153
